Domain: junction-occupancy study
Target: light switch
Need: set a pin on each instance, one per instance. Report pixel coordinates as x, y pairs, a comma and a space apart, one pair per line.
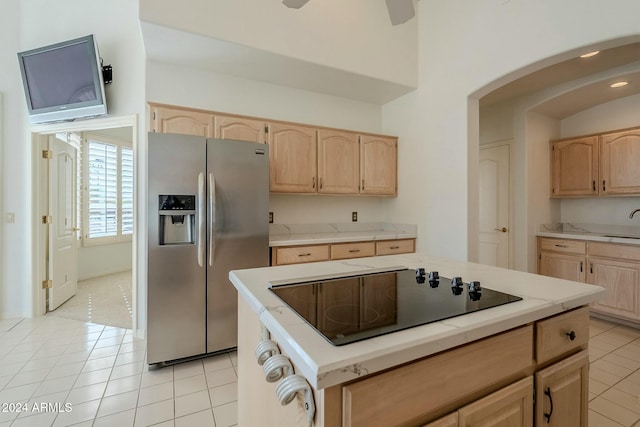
11, 217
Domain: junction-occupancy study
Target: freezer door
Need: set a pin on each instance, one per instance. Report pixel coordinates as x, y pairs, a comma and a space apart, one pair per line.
238, 236
176, 285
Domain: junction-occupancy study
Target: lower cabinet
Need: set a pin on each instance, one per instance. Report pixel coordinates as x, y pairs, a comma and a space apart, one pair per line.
281, 255
562, 393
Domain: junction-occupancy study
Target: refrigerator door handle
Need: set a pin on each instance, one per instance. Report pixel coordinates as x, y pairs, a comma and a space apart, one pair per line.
201, 223
212, 217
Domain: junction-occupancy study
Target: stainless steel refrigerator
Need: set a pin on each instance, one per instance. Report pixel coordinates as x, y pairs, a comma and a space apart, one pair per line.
208, 202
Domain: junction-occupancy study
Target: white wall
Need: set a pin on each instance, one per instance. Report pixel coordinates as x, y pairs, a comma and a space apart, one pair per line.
619, 114
469, 47
354, 35
99, 260
28, 24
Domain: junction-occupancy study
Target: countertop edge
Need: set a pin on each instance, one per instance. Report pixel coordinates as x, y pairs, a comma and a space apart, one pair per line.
590, 237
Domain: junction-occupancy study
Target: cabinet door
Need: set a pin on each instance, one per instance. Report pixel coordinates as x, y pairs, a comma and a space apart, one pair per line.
562, 393
378, 165
240, 129
292, 158
562, 266
450, 420
338, 162
511, 406
182, 121
574, 167
621, 280
339, 307
619, 160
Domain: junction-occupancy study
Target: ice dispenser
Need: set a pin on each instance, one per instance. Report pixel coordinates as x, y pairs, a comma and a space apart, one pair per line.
177, 219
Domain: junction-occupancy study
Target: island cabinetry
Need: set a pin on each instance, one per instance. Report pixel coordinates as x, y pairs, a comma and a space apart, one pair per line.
615, 267
292, 158
281, 255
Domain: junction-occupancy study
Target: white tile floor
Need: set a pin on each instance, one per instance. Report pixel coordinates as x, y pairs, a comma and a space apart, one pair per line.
63, 372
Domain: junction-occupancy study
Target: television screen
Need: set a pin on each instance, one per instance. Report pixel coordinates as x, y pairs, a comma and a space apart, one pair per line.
63, 81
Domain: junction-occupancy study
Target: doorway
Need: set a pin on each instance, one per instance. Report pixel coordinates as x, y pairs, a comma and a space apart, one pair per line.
93, 207
494, 203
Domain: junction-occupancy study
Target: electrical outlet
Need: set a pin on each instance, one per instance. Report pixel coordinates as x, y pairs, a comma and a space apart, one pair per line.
270, 217
354, 216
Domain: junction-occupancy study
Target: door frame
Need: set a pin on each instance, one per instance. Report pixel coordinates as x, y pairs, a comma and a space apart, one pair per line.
510, 223
39, 135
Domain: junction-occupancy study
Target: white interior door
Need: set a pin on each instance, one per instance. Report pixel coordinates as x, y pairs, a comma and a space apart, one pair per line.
63, 247
494, 205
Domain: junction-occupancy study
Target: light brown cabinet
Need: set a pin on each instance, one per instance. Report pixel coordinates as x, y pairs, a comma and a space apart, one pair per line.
596, 165
619, 160
281, 255
338, 162
167, 119
562, 393
240, 129
292, 158
615, 267
378, 165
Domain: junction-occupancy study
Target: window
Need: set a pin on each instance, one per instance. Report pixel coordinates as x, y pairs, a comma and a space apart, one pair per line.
107, 201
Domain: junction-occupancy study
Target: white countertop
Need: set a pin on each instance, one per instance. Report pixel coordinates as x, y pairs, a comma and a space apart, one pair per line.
629, 235
311, 234
325, 365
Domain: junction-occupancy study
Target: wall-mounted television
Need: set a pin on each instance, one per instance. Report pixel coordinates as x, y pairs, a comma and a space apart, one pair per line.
63, 81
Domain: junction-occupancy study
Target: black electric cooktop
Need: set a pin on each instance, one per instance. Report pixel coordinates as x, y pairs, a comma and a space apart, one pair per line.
354, 308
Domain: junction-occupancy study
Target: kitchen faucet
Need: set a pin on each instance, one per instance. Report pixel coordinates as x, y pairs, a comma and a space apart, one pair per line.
633, 212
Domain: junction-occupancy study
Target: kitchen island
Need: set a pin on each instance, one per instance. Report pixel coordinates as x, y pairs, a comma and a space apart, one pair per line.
444, 371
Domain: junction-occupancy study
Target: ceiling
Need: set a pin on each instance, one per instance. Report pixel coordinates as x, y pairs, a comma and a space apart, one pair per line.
587, 82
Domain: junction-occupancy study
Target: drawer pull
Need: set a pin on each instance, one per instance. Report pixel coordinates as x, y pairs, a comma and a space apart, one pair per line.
353, 251
547, 393
580, 266
571, 335
560, 246
394, 247
307, 254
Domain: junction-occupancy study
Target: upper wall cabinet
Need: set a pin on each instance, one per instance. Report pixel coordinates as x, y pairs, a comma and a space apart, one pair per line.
167, 119
620, 162
597, 165
240, 128
378, 165
338, 162
574, 167
292, 158
303, 159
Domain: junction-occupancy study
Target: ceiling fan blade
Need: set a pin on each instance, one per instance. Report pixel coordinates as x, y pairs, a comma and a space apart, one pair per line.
294, 4
400, 11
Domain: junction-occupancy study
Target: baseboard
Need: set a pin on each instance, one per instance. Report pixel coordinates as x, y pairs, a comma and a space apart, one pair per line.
614, 319
104, 273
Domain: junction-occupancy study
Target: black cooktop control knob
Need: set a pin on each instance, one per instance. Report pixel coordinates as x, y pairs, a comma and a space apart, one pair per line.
456, 285
475, 291
420, 272
434, 279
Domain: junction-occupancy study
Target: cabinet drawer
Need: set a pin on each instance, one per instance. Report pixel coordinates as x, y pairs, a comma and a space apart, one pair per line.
390, 247
553, 335
610, 250
300, 254
352, 250
565, 246
441, 381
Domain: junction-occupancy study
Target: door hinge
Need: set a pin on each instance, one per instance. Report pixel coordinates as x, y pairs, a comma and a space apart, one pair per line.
47, 154
47, 284
47, 219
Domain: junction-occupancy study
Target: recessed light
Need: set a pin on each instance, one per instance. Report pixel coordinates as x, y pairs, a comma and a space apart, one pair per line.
590, 54
618, 84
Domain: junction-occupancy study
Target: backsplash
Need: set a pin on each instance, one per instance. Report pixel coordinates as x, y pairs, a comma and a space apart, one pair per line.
600, 210
278, 229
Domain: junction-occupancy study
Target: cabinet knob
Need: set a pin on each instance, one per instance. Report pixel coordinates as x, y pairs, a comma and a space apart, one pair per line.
571, 335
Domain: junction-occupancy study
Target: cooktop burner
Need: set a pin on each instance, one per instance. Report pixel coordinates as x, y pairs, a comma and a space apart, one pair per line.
354, 308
